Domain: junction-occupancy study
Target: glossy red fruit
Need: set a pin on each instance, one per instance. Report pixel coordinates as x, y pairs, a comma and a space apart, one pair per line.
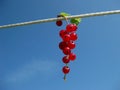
65, 59
66, 50
75, 27
71, 27
62, 45
66, 38
73, 36
62, 33
72, 56
66, 69
71, 45
59, 23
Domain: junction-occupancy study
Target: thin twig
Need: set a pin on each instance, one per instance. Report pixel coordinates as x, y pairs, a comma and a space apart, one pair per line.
61, 18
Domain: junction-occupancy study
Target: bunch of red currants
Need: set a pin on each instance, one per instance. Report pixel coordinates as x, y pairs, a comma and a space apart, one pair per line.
68, 36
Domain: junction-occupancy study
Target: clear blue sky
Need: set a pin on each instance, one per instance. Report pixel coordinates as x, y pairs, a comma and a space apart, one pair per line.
31, 60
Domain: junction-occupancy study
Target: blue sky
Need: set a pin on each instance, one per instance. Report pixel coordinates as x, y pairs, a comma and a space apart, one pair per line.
31, 60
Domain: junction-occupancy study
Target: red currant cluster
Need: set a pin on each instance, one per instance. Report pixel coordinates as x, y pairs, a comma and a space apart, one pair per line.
67, 44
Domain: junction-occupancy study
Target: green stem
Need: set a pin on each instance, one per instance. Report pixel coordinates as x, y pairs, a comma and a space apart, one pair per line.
65, 18
64, 77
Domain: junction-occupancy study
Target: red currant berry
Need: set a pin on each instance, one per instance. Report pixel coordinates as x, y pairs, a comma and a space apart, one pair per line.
65, 59
62, 45
62, 33
66, 69
66, 37
66, 50
73, 36
71, 45
59, 23
72, 56
71, 27
75, 27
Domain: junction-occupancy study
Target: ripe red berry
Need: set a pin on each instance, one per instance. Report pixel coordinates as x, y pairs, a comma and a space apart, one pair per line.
72, 56
66, 50
71, 27
66, 37
66, 69
62, 33
65, 59
71, 45
74, 27
62, 45
59, 23
73, 36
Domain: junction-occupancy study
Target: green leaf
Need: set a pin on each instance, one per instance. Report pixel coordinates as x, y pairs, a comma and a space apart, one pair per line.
75, 20
64, 14
76, 23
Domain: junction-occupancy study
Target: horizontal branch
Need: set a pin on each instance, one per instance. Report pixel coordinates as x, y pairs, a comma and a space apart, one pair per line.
61, 18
